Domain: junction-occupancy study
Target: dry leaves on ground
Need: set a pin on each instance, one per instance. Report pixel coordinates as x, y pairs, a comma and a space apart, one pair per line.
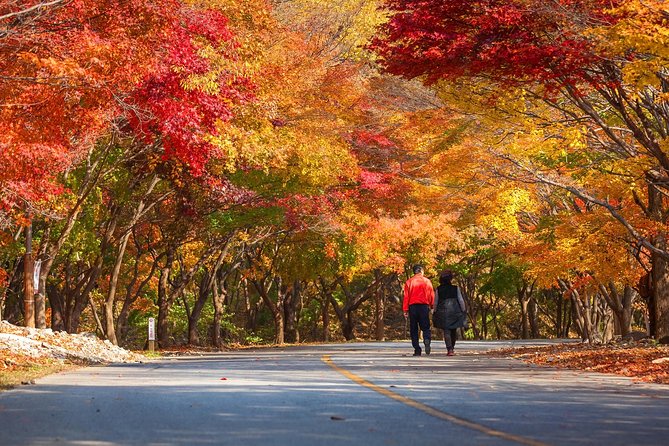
639, 361
18, 368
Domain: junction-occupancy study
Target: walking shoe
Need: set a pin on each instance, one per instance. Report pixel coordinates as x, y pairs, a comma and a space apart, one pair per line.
417, 353
427, 347
450, 353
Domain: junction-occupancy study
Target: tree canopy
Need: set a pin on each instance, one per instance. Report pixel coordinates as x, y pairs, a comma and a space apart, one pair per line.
258, 171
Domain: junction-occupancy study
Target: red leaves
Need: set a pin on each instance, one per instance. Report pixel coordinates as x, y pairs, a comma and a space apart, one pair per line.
182, 117
69, 68
363, 138
301, 210
379, 183
64, 66
513, 41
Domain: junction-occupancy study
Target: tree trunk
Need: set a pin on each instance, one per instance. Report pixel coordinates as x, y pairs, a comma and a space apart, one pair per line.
345, 319
279, 328
325, 317
525, 322
81, 299
326, 297
58, 312
219, 297
528, 309
49, 250
559, 312
5, 290
278, 311
345, 314
206, 284
348, 326
276, 308
660, 290
131, 296
484, 322
533, 316
628, 309
621, 306
251, 310
94, 311
379, 310
164, 303
110, 323
291, 314
28, 287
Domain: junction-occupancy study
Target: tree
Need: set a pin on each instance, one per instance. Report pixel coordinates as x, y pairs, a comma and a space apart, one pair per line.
63, 73
579, 59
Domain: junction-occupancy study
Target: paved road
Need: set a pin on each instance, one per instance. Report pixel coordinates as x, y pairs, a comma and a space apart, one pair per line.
348, 394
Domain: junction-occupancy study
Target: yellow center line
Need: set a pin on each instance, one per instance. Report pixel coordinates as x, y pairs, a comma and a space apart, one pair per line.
431, 410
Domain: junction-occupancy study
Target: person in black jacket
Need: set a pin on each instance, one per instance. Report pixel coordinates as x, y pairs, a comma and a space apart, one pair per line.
449, 310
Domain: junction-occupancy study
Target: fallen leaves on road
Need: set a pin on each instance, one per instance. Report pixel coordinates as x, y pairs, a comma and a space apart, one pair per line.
646, 363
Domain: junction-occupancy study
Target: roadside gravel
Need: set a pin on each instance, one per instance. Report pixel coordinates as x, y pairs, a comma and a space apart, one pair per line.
45, 343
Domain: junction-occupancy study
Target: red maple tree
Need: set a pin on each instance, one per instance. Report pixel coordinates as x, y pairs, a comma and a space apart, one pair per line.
518, 40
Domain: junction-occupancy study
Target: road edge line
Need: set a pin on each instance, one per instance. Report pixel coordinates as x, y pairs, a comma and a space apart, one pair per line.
430, 410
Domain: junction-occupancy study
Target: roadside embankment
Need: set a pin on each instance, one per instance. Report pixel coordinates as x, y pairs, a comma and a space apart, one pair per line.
28, 353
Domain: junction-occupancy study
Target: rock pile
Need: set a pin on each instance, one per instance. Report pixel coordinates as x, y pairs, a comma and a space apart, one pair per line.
45, 343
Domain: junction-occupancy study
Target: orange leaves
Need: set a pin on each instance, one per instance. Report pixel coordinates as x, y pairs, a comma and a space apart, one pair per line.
62, 79
636, 361
3, 274
393, 243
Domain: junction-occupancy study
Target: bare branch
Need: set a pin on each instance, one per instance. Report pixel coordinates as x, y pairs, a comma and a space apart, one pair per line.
36, 7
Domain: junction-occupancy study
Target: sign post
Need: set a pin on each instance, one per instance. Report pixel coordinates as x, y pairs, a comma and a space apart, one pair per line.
36, 273
152, 334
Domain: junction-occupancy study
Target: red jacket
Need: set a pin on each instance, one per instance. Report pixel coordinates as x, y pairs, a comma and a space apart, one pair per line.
418, 290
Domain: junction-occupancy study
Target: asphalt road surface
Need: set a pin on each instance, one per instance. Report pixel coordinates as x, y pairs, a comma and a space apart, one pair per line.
345, 394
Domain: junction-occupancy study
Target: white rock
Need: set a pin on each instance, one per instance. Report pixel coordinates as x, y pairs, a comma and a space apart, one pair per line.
61, 345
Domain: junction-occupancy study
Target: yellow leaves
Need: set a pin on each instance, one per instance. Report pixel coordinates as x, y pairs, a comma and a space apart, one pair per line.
191, 253
643, 30
336, 28
206, 83
323, 162
256, 145
575, 138
503, 211
664, 145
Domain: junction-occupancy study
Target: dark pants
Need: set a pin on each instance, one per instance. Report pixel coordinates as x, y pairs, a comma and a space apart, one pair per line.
419, 315
449, 338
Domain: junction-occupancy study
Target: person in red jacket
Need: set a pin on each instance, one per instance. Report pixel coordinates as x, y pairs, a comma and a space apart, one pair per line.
417, 304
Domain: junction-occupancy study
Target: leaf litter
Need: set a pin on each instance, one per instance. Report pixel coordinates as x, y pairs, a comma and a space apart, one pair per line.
638, 360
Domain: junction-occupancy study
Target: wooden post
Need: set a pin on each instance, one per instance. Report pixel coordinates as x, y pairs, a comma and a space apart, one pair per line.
28, 288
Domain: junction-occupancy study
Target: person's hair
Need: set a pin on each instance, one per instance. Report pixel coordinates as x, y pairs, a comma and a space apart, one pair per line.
417, 269
445, 277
